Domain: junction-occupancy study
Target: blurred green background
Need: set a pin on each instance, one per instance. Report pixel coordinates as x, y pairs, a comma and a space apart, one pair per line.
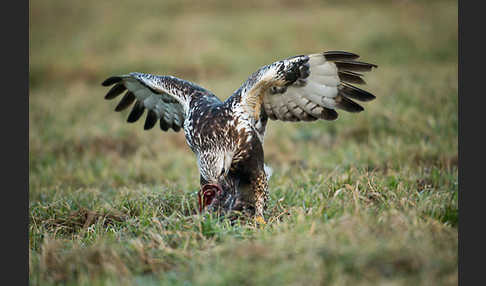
370, 198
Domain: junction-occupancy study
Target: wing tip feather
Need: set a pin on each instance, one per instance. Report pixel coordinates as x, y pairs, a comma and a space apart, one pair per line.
351, 65
111, 80
357, 93
348, 105
136, 112
329, 114
351, 77
115, 91
150, 120
339, 55
126, 101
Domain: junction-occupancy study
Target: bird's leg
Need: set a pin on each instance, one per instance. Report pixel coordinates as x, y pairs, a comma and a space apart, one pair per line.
259, 186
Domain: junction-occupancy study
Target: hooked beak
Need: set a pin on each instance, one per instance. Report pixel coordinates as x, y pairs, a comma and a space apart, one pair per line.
207, 194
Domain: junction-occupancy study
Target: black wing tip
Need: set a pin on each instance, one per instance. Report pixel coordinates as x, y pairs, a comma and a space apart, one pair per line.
344, 56
150, 120
348, 105
357, 93
176, 127
329, 114
163, 125
372, 65
339, 55
351, 65
370, 97
136, 112
351, 77
126, 101
115, 91
111, 80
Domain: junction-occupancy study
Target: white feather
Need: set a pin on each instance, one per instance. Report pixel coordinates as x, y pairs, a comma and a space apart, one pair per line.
328, 102
268, 171
329, 80
319, 89
316, 59
326, 69
298, 96
291, 103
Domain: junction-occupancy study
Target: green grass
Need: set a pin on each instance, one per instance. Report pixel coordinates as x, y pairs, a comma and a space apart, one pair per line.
369, 199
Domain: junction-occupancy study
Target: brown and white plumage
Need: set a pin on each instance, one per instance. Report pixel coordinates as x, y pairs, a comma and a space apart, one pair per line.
227, 137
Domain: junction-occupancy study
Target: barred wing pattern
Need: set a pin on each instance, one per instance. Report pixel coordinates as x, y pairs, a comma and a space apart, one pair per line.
166, 98
307, 87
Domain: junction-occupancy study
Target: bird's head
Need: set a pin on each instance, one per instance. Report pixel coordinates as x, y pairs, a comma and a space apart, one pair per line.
214, 168
208, 195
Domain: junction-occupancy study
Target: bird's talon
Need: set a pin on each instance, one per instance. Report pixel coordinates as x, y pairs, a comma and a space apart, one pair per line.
260, 220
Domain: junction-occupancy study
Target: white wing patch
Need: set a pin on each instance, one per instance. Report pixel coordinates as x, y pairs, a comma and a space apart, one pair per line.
306, 102
325, 89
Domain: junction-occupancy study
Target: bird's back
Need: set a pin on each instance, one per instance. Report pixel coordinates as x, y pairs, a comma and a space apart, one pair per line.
207, 125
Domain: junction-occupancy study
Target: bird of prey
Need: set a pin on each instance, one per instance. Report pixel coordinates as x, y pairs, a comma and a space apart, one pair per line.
227, 136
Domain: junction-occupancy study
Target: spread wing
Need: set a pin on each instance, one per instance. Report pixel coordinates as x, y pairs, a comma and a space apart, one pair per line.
165, 97
305, 88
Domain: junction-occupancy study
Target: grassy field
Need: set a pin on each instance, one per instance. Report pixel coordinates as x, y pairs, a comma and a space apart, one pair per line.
369, 199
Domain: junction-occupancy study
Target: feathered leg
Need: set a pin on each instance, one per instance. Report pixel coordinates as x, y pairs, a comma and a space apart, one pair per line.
259, 186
